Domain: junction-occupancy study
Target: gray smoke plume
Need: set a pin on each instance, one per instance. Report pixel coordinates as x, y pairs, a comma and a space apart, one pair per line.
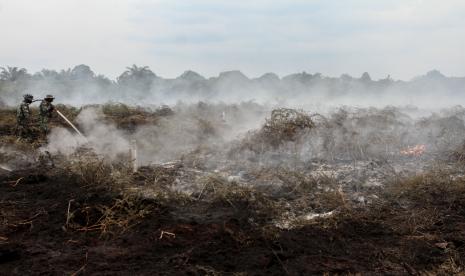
104, 138
140, 86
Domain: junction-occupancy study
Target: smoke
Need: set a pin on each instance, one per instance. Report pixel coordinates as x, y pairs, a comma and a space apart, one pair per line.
62, 141
220, 111
218, 133
11, 158
102, 137
140, 86
212, 127
190, 128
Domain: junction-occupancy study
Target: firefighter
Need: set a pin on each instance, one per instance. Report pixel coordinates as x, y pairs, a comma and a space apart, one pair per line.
23, 118
46, 109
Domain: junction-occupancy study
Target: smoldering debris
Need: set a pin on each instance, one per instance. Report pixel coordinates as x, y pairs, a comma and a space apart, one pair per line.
17, 155
242, 132
350, 177
285, 125
349, 150
358, 149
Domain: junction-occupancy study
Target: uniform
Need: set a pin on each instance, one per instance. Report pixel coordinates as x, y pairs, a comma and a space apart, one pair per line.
23, 118
45, 113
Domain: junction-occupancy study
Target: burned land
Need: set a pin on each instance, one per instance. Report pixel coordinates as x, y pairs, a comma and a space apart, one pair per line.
234, 189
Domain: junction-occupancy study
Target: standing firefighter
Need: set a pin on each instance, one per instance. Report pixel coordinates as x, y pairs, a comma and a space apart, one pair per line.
23, 118
45, 113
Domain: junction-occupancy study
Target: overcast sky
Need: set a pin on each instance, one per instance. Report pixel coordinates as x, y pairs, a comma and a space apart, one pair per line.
403, 38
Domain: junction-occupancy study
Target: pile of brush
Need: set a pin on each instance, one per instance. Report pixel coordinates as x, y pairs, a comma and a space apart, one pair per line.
284, 125
458, 155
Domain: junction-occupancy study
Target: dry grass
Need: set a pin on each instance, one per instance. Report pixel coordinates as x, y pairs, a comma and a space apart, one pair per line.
7, 120
117, 210
458, 155
437, 187
96, 172
110, 219
128, 117
284, 125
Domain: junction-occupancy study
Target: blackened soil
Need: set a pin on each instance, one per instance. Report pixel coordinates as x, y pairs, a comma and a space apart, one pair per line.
221, 240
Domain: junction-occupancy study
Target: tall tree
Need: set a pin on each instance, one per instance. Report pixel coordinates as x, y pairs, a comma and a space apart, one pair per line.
82, 72
365, 77
136, 77
13, 73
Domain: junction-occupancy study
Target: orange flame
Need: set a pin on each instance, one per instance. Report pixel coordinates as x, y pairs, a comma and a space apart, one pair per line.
414, 151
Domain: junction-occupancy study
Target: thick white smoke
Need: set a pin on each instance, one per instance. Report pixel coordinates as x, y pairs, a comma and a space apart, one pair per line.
104, 138
190, 127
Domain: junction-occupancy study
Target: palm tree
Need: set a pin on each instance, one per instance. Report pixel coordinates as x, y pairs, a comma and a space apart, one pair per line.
46, 74
137, 77
365, 77
136, 73
12, 73
65, 74
82, 72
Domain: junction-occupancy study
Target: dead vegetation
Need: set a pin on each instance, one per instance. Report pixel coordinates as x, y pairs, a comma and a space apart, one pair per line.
108, 220
310, 196
127, 117
284, 125
353, 134
416, 225
458, 155
96, 172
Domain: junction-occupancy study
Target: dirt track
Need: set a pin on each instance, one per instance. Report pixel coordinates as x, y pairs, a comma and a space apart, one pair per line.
216, 238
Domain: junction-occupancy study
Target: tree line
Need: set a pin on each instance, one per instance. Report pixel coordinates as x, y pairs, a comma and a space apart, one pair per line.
139, 83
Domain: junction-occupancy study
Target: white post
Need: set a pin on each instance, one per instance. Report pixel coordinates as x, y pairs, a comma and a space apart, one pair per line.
223, 116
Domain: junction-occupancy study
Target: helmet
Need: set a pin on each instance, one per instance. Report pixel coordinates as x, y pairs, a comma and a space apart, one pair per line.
28, 96
49, 98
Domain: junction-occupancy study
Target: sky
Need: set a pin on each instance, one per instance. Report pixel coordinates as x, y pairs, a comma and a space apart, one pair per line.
401, 38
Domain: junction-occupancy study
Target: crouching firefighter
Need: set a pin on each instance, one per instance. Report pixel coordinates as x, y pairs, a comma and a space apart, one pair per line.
46, 109
23, 118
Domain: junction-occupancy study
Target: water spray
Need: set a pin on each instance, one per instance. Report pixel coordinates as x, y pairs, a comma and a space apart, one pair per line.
132, 150
71, 124
3, 167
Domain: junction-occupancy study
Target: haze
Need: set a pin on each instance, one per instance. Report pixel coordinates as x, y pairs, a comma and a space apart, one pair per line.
401, 38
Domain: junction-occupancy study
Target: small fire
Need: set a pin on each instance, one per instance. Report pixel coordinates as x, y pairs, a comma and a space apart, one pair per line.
414, 151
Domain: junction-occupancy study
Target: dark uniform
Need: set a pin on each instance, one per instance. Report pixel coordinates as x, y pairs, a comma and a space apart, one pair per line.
23, 118
45, 113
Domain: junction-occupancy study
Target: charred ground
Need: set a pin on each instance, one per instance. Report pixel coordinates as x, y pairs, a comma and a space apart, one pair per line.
267, 210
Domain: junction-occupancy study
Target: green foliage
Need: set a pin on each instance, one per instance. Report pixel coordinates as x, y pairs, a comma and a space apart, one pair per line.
13, 74
140, 78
